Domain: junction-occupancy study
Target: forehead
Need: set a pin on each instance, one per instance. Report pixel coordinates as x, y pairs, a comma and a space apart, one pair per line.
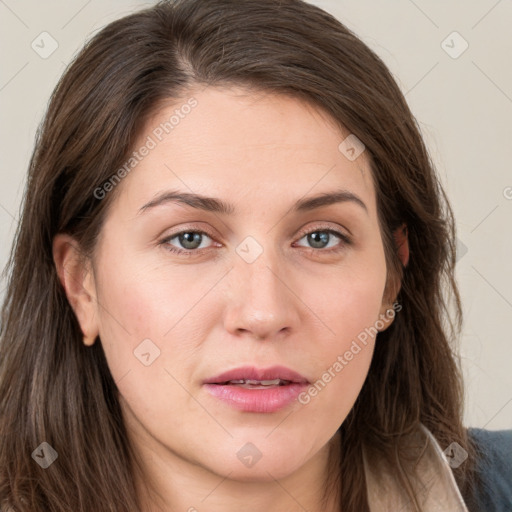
234, 143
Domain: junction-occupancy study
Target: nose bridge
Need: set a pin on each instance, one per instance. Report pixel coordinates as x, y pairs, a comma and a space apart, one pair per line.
260, 301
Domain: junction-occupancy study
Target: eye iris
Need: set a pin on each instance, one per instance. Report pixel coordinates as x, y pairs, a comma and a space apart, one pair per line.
318, 237
190, 238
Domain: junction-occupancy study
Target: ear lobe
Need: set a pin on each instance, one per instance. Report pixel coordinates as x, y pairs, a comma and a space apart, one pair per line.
386, 317
402, 244
77, 279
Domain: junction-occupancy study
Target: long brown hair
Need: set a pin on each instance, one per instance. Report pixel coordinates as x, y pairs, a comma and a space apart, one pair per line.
55, 389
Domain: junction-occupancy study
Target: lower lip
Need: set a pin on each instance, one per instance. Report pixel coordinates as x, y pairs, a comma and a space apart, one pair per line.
256, 400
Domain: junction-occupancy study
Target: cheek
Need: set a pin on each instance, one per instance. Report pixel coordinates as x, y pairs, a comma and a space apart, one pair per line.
149, 332
348, 307
338, 384
345, 302
342, 360
151, 314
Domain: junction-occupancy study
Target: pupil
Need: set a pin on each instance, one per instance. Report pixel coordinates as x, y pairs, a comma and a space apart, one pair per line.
318, 237
190, 240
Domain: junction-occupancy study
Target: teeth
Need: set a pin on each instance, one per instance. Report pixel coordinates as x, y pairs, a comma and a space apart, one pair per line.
274, 382
251, 382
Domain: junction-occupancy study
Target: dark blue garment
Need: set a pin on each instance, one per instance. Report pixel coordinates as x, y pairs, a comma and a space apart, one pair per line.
494, 466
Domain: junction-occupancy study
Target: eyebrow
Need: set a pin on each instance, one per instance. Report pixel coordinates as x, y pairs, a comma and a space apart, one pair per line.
212, 204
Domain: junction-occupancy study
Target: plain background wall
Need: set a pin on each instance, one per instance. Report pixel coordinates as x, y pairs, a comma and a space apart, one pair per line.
463, 104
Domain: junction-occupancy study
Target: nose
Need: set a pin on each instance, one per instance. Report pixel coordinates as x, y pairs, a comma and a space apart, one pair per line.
262, 299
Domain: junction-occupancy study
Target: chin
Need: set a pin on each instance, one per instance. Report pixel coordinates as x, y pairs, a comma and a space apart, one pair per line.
261, 472
258, 461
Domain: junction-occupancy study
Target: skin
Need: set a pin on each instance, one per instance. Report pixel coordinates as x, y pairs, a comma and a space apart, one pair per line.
294, 305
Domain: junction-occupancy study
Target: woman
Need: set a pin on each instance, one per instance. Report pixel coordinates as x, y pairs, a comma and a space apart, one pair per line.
226, 287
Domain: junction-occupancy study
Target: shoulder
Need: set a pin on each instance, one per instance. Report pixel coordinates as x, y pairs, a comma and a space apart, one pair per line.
494, 469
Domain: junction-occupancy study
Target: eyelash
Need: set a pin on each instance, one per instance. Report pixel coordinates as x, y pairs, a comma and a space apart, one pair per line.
345, 241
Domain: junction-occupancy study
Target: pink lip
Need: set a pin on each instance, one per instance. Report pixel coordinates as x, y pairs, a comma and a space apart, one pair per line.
257, 400
250, 372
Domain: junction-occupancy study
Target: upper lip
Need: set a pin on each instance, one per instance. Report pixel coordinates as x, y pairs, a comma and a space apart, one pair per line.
252, 373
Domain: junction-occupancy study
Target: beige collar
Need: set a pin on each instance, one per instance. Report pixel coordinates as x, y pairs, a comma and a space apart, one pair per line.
431, 479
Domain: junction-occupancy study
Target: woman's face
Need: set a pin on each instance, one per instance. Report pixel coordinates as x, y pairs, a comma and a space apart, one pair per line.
251, 290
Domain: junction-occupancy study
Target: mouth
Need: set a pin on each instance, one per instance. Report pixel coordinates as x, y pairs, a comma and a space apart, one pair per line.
250, 389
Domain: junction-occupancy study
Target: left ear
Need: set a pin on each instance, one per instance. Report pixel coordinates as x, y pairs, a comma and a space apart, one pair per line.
387, 313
